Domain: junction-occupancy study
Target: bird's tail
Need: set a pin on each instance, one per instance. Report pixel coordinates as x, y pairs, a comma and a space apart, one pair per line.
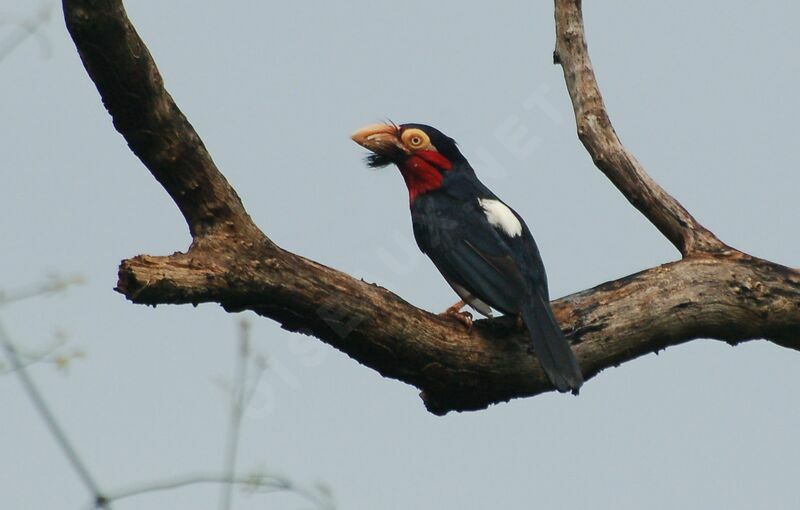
551, 346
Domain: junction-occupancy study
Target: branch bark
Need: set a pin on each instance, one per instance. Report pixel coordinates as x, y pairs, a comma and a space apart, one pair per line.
713, 292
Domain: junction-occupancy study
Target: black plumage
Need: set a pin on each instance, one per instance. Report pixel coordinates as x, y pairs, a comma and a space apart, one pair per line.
505, 272
481, 246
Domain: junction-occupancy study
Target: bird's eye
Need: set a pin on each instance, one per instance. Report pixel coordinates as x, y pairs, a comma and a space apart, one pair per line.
415, 138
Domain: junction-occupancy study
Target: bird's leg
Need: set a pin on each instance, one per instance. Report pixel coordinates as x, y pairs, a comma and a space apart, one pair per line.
455, 312
456, 308
519, 323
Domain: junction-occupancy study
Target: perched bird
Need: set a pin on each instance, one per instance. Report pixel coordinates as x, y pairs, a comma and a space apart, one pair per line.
480, 245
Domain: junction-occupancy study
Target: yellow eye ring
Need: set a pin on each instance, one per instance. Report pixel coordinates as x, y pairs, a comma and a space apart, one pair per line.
415, 139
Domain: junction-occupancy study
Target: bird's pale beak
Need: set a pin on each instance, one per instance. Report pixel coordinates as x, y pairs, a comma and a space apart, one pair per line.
382, 139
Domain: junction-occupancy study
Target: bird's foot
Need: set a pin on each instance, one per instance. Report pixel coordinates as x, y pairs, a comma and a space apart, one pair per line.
464, 318
456, 308
455, 312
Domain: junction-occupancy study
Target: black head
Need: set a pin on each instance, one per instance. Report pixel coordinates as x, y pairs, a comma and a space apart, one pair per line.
446, 146
391, 143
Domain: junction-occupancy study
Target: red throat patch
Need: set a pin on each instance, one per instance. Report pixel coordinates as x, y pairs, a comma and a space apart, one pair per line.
422, 172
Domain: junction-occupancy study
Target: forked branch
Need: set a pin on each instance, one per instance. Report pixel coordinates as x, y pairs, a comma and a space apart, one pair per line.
714, 292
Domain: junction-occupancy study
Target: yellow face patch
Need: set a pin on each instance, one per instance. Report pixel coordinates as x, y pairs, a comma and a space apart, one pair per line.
416, 139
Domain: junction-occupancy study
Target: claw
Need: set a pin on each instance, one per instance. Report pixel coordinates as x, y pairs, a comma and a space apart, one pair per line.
464, 318
455, 312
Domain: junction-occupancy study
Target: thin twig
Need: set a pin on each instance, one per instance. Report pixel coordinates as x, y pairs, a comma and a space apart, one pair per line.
50, 420
236, 412
55, 284
27, 359
263, 482
261, 367
29, 28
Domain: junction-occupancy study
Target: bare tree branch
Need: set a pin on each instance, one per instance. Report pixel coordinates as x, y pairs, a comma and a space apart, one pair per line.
714, 292
601, 141
733, 298
144, 112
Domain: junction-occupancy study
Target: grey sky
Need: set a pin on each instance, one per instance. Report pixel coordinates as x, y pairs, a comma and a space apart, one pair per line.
704, 96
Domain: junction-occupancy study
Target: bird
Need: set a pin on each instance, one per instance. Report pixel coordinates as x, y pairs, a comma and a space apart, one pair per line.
479, 244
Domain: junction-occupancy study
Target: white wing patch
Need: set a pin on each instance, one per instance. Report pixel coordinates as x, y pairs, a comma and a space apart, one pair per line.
499, 215
471, 300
